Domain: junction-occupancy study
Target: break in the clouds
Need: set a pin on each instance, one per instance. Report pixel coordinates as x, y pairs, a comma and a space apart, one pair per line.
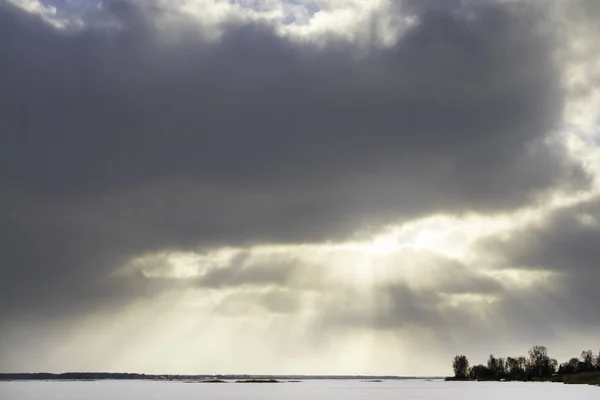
351, 179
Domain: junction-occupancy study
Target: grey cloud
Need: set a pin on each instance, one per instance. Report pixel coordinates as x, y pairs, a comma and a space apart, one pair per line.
468, 308
256, 109
568, 242
398, 300
566, 246
274, 301
430, 301
274, 272
117, 142
451, 277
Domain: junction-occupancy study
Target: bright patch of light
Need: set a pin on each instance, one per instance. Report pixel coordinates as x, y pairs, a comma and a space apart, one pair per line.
588, 220
521, 278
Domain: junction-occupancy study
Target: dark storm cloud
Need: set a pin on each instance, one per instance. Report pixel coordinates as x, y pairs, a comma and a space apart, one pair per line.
257, 109
117, 142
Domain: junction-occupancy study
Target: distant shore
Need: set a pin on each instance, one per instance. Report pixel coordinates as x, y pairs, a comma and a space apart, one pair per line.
97, 376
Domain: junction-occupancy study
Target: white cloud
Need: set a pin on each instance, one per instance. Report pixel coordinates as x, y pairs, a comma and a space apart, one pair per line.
47, 12
373, 21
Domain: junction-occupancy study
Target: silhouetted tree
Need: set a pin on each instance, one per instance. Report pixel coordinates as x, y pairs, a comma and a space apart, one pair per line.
538, 364
587, 356
461, 366
539, 360
552, 366
523, 364
492, 365
573, 365
480, 372
501, 367
514, 369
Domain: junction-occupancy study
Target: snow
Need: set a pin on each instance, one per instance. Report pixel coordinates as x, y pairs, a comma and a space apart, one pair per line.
306, 390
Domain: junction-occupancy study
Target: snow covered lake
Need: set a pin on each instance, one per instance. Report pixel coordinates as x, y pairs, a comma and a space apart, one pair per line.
306, 390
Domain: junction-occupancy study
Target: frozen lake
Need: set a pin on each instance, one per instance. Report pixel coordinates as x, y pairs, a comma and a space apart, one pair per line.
306, 390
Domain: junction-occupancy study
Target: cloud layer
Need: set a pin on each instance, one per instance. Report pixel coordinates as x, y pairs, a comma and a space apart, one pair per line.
256, 133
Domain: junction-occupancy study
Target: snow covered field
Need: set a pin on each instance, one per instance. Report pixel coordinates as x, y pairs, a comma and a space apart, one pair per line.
307, 390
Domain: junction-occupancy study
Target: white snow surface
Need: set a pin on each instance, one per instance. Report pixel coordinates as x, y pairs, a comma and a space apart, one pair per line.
305, 390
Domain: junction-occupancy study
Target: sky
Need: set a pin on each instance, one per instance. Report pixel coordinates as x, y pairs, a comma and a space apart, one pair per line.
297, 186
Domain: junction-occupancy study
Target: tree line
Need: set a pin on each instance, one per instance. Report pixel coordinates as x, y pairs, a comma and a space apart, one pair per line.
538, 364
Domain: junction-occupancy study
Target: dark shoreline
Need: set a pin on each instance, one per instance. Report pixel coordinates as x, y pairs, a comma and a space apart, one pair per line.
582, 378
